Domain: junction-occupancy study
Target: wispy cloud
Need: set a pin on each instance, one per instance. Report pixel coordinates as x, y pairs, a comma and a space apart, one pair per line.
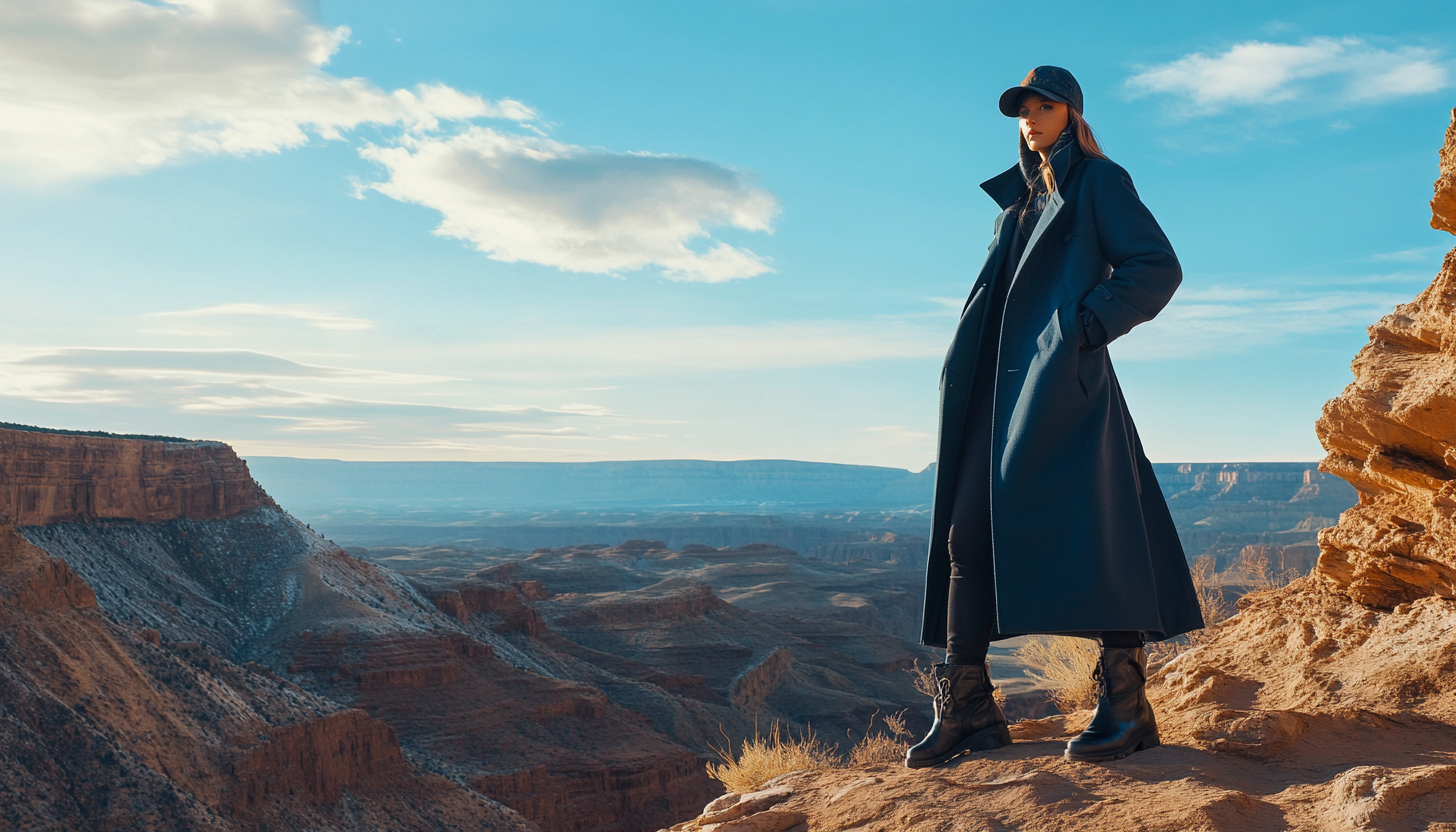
191, 379
263, 398
1325, 73
312, 317
520, 197
1409, 255
1219, 320
672, 349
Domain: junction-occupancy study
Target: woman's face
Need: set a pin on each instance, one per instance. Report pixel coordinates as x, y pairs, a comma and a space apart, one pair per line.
1042, 121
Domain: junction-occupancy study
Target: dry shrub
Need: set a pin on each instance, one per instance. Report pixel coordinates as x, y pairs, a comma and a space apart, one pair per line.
924, 678
765, 757
1260, 575
885, 746
1064, 665
1209, 589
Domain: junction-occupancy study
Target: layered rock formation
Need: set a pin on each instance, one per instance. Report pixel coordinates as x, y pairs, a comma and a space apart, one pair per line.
1392, 433
1328, 704
106, 724
58, 478
176, 652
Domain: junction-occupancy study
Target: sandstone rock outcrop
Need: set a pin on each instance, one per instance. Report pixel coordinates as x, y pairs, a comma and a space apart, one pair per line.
1392, 433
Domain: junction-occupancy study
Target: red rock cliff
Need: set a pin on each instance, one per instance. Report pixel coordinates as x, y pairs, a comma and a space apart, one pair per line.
61, 478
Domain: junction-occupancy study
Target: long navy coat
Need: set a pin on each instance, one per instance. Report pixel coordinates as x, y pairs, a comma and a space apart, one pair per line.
1082, 540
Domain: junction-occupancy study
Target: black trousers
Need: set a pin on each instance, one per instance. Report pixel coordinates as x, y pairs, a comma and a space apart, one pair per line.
971, 611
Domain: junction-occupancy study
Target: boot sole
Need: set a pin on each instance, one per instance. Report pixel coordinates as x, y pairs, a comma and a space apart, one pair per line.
997, 736
1149, 739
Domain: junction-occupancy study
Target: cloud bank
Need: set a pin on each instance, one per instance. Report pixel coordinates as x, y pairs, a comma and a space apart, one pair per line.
1332, 72
520, 197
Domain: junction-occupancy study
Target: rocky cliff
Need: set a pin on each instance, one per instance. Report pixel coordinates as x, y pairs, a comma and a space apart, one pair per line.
176, 652
1328, 704
106, 724
57, 478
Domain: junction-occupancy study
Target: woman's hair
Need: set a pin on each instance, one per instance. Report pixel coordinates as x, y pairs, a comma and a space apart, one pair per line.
1086, 139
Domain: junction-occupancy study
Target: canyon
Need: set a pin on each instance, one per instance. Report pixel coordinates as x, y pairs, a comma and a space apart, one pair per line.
179, 652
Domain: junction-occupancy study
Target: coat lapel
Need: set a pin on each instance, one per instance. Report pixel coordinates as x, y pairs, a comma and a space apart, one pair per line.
1048, 215
1063, 160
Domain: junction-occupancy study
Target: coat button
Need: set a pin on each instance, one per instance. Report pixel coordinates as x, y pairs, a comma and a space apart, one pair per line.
1105, 292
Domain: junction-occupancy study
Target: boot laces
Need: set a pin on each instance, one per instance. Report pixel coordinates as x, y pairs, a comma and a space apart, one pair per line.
942, 694
1099, 675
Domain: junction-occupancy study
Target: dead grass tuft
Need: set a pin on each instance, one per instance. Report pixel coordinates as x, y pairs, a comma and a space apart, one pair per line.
765, 757
1259, 574
924, 679
1209, 589
885, 746
1064, 665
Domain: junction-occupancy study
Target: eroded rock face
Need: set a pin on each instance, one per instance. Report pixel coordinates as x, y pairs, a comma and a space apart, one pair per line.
58, 478
177, 652
108, 725
1392, 434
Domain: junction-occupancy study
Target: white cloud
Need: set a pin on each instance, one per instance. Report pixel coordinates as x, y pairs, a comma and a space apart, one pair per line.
899, 435
308, 424
275, 400
1322, 72
193, 379
777, 344
518, 197
312, 317
1409, 255
103, 87
99, 87
1220, 320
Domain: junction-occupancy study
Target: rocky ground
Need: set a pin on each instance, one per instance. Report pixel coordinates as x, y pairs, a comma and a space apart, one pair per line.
1328, 704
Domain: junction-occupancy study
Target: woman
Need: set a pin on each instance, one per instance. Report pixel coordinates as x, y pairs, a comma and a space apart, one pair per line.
1047, 515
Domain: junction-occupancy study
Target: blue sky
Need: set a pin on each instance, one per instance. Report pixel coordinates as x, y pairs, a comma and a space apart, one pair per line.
638, 230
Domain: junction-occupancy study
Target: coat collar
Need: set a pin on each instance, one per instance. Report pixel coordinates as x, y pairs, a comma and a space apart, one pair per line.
1008, 186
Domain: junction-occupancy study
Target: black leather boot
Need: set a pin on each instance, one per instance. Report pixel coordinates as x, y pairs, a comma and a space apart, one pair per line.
966, 717
1123, 722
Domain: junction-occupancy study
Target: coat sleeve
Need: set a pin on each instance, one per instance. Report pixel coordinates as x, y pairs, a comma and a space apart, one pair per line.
1145, 271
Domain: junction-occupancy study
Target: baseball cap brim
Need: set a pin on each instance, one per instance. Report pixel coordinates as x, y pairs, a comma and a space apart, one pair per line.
1011, 99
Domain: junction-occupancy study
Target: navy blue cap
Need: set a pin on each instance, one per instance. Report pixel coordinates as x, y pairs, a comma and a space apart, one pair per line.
1047, 81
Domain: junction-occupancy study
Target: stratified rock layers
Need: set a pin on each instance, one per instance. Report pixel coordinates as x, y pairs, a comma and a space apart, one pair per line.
58, 478
177, 652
